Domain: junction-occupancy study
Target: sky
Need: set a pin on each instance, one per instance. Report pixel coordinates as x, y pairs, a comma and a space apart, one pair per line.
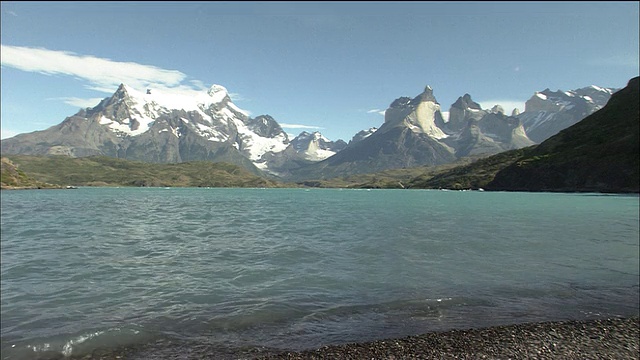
332, 67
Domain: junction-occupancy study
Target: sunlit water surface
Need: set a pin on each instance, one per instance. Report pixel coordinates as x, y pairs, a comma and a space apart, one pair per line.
238, 269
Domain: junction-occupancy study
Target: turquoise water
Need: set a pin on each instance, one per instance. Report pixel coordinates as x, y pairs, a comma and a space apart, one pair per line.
234, 269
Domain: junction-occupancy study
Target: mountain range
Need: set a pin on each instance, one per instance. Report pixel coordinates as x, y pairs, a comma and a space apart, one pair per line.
160, 127
601, 153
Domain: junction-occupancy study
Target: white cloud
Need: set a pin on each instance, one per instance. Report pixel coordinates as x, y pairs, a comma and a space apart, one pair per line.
299, 126
101, 74
198, 84
78, 102
376, 111
237, 97
507, 105
445, 115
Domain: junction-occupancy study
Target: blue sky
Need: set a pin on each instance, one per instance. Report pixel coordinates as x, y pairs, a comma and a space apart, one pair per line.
326, 66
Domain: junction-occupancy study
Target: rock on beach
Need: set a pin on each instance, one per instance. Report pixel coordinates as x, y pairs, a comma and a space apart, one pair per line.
590, 339
602, 339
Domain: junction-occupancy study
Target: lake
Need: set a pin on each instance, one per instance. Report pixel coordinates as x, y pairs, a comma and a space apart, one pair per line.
243, 270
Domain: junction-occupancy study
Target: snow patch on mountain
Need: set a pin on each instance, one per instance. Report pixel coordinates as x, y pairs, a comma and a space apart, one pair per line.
256, 145
209, 114
548, 112
315, 147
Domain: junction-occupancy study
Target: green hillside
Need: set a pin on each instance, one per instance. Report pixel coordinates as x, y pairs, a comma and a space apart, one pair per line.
598, 154
476, 175
601, 153
11, 177
108, 171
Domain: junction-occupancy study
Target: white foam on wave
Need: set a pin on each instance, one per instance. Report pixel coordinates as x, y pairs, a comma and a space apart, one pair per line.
69, 345
67, 349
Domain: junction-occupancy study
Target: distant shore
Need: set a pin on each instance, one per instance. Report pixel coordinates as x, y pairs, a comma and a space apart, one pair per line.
52, 187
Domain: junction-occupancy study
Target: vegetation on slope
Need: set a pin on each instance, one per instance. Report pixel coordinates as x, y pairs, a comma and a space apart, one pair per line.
475, 175
11, 177
387, 179
108, 171
600, 153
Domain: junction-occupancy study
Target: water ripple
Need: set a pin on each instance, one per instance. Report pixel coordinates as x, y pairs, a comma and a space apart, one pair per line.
294, 269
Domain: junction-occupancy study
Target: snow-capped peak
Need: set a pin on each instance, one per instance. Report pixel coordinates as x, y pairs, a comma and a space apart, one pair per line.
178, 99
314, 146
548, 112
143, 106
217, 93
541, 95
604, 90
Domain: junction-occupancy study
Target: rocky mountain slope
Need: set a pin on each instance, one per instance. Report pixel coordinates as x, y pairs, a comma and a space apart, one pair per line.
415, 133
547, 112
156, 126
600, 153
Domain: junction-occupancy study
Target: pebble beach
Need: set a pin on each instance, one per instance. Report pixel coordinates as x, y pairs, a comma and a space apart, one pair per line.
615, 338
592, 339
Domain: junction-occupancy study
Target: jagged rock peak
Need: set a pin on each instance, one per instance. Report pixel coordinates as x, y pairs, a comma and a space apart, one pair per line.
266, 126
121, 92
265, 118
465, 102
497, 109
515, 112
216, 89
407, 102
427, 95
362, 134
218, 93
400, 102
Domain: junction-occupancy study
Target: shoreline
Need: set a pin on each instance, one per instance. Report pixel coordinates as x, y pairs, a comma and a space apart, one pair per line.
611, 338
614, 338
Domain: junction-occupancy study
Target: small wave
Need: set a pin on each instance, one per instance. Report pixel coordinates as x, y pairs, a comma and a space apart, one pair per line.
67, 349
82, 344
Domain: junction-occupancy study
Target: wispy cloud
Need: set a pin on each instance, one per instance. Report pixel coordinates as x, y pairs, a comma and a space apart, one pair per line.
237, 97
12, 13
376, 111
102, 74
78, 102
300, 126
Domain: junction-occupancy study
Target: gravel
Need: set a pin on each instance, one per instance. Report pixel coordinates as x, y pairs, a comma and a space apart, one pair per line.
591, 339
616, 338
